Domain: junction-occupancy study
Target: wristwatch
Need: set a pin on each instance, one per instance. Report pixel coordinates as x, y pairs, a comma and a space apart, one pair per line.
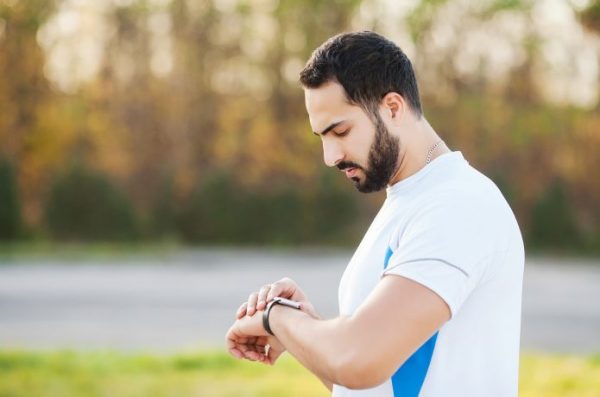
277, 301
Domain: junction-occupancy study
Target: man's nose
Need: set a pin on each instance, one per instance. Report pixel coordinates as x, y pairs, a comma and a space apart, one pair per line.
332, 153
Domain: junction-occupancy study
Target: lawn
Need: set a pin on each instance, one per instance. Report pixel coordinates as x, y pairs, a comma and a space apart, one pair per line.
212, 374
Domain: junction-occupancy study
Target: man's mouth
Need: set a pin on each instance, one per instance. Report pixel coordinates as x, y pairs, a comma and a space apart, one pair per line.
351, 172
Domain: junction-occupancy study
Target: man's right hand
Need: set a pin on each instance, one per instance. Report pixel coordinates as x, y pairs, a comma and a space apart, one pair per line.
285, 288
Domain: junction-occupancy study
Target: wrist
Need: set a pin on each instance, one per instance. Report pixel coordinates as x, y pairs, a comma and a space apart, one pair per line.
277, 301
275, 318
282, 316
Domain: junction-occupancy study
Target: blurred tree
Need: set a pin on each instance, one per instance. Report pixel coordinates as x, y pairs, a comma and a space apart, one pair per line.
10, 210
590, 16
333, 211
211, 213
23, 90
164, 211
130, 106
187, 87
22, 83
553, 224
84, 205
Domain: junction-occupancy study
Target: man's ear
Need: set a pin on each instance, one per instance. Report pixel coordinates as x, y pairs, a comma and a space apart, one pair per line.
394, 106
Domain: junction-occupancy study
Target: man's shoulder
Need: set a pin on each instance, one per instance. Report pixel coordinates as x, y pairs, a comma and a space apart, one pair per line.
466, 188
469, 204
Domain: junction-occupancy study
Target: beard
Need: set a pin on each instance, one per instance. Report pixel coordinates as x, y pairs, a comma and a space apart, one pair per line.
383, 160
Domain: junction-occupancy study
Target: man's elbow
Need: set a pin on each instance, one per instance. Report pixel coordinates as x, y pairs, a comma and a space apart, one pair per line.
361, 373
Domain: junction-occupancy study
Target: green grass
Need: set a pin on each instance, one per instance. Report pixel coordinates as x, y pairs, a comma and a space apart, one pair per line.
212, 374
75, 252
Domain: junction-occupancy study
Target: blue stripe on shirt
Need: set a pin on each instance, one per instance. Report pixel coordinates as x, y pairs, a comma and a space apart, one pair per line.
408, 380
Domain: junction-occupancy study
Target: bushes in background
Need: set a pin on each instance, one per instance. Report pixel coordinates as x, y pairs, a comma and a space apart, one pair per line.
83, 205
224, 212
10, 209
553, 224
221, 211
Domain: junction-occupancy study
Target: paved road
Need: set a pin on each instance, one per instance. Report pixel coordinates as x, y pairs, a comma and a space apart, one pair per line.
187, 300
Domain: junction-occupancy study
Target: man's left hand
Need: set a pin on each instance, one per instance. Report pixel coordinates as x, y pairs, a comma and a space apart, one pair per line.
248, 339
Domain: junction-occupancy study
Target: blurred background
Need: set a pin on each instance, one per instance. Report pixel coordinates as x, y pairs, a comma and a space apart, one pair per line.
157, 166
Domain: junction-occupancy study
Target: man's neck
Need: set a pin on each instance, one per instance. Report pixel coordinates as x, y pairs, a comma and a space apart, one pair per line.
415, 149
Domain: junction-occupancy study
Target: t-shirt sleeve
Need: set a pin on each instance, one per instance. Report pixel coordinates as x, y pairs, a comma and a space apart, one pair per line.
445, 246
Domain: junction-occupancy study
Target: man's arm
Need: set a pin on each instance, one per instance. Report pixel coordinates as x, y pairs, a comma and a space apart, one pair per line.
365, 349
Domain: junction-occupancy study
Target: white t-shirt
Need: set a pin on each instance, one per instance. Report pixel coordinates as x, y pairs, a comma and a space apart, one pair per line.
449, 228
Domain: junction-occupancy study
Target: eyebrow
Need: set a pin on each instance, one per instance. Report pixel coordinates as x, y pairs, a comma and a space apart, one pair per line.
326, 130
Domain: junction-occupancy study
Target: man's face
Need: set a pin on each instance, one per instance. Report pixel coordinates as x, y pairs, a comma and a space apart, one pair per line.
363, 149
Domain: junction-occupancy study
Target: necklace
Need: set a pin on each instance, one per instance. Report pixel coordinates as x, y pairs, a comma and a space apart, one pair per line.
431, 151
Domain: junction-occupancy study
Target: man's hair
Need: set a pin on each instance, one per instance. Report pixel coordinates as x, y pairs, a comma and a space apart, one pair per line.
367, 65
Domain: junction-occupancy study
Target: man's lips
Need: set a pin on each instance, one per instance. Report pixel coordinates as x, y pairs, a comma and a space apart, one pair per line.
350, 172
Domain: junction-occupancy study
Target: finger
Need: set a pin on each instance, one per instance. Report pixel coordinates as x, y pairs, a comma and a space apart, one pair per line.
234, 350
251, 308
249, 345
253, 355
230, 338
286, 288
236, 353
241, 312
278, 289
261, 343
264, 355
262, 297
232, 341
243, 346
250, 350
247, 352
256, 348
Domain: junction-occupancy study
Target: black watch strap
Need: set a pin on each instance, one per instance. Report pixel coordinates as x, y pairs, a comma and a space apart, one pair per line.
265, 317
276, 301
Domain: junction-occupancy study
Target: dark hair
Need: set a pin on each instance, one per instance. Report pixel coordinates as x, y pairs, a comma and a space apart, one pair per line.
367, 65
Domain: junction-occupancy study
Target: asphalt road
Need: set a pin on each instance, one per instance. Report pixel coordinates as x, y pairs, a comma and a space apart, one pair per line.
187, 300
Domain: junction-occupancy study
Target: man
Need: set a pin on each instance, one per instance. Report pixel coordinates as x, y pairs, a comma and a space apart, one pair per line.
430, 303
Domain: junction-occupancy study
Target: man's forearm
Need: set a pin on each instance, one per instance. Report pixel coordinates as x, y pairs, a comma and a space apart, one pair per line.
319, 345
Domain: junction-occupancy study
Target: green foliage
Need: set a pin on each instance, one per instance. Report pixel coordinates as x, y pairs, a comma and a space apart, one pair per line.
505, 187
211, 212
10, 209
215, 374
224, 211
84, 205
231, 100
334, 210
590, 16
553, 222
545, 375
164, 211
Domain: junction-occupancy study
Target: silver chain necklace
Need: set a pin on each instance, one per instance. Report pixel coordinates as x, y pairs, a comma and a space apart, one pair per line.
431, 151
